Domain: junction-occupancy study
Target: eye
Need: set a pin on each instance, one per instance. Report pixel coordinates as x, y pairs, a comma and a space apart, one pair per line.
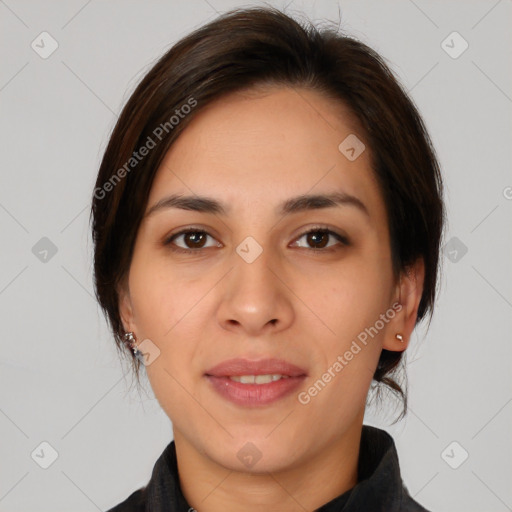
320, 237
193, 238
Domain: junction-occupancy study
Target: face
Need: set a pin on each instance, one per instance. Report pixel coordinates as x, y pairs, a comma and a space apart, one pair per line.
250, 283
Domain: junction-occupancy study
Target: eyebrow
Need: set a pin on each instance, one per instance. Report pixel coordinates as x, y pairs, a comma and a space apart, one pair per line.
293, 205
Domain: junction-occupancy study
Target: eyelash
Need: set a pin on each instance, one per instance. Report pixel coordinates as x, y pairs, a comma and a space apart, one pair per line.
317, 229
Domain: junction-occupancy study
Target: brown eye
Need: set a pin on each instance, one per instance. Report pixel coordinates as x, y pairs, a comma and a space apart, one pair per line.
196, 239
319, 238
192, 240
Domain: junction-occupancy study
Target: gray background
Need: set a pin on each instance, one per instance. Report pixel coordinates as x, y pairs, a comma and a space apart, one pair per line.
60, 378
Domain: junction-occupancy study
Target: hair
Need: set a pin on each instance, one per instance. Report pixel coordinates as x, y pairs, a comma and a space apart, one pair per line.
244, 49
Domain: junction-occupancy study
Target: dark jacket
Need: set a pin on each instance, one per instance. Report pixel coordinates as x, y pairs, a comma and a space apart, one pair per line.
379, 488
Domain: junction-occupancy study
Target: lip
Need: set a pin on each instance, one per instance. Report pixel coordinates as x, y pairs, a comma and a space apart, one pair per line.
238, 366
251, 395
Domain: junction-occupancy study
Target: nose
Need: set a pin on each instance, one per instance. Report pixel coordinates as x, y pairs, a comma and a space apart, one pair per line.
256, 298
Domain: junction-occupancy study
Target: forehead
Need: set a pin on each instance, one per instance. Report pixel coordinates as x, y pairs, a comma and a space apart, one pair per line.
260, 147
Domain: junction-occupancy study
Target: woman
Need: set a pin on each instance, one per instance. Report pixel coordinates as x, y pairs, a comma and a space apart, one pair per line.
267, 220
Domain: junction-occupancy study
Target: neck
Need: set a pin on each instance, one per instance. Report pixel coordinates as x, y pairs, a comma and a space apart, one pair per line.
305, 485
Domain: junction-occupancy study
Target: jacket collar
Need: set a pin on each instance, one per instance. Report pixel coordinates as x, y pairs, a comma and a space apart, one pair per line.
379, 487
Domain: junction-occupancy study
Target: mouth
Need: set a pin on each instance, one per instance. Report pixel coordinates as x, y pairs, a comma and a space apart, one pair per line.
258, 379
255, 383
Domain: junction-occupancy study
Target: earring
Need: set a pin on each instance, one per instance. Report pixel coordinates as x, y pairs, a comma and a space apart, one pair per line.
129, 340
399, 337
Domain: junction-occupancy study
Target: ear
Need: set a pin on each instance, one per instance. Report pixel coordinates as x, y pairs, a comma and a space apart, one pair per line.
408, 294
125, 307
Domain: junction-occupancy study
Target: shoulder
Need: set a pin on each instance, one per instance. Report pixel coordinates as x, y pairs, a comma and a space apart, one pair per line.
380, 475
408, 504
136, 502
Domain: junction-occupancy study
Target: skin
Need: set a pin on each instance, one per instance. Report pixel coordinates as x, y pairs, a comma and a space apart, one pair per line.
251, 151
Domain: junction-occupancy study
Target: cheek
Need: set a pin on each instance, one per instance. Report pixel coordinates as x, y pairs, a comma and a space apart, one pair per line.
351, 296
347, 305
348, 351
166, 307
160, 297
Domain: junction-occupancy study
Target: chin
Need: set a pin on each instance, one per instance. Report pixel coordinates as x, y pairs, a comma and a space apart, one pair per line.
252, 453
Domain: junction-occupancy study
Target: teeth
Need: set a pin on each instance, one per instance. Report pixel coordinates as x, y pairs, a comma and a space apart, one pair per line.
258, 379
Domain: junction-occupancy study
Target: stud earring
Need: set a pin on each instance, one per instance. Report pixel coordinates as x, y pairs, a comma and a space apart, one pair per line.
399, 337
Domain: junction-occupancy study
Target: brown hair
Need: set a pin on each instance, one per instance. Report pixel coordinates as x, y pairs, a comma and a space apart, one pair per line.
252, 47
